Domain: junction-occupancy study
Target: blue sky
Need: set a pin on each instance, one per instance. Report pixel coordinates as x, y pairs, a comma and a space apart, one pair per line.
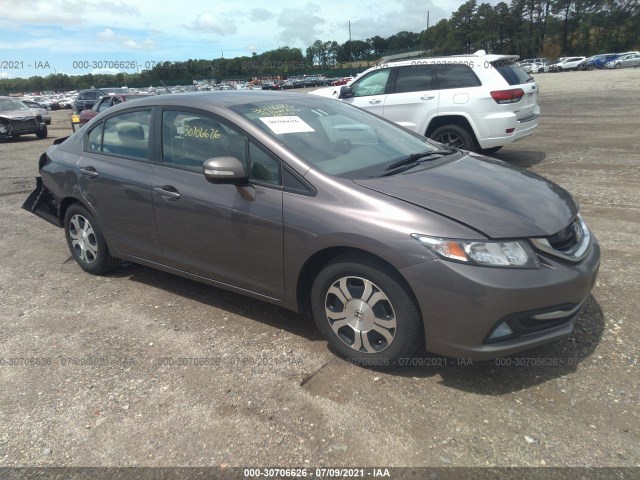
76, 37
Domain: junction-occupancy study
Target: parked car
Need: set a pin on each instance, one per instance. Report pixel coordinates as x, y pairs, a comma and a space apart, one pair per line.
475, 102
341, 81
107, 101
86, 99
391, 241
626, 61
36, 107
599, 61
569, 63
17, 119
46, 103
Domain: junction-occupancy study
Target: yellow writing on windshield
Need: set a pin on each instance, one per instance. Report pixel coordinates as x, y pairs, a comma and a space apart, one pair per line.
278, 110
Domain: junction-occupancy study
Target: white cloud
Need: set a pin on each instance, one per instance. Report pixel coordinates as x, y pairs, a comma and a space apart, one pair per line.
106, 35
300, 24
260, 15
212, 23
146, 44
5, 75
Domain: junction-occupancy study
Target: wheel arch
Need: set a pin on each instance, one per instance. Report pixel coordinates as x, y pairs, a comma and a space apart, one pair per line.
314, 264
459, 120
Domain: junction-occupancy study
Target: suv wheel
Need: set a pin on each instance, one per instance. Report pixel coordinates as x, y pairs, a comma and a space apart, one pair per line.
86, 241
454, 136
366, 313
42, 133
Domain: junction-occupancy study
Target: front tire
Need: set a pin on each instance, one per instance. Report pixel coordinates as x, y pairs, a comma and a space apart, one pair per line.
365, 311
454, 136
86, 242
42, 133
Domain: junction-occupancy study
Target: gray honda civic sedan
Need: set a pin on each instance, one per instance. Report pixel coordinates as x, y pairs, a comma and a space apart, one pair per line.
390, 241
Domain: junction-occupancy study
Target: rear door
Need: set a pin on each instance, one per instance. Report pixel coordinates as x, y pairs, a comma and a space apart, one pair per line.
413, 99
114, 177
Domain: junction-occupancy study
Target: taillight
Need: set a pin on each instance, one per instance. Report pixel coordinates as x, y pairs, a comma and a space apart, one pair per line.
508, 96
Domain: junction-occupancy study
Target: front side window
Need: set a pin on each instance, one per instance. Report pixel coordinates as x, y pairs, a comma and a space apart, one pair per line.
373, 83
188, 139
126, 134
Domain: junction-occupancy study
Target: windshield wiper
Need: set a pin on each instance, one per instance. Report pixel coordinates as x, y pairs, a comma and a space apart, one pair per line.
414, 157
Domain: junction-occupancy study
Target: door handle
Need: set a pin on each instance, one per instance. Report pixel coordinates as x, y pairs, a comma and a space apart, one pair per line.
427, 97
167, 191
375, 101
89, 172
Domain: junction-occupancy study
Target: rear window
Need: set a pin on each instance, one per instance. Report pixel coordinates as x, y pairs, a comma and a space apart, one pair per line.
456, 76
512, 74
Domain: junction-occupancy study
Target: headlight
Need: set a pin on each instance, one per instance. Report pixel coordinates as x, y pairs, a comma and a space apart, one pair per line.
512, 253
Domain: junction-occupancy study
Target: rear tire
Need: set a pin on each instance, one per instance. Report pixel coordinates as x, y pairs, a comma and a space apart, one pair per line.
86, 242
366, 312
454, 136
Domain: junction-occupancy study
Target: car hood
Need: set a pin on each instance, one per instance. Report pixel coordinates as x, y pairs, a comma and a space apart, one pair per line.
17, 114
493, 197
330, 92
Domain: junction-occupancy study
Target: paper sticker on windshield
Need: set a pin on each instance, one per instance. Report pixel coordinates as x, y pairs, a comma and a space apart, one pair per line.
289, 124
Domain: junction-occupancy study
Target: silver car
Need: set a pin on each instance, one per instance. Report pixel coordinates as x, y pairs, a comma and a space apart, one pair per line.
36, 107
17, 119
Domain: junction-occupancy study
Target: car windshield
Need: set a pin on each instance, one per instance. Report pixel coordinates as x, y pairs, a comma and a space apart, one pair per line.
336, 138
7, 104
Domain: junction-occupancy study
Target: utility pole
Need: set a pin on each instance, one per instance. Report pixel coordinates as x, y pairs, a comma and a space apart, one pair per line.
428, 19
350, 54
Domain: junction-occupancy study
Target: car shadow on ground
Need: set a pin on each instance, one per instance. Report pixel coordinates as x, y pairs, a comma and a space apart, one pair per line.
520, 158
233, 303
495, 377
521, 371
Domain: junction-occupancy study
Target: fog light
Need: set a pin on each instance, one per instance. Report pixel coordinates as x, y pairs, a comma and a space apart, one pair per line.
503, 330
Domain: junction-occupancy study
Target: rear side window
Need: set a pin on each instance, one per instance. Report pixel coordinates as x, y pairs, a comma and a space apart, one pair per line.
456, 76
127, 134
414, 79
512, 74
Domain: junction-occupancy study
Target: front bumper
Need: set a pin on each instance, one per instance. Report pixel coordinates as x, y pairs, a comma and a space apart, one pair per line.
462, 305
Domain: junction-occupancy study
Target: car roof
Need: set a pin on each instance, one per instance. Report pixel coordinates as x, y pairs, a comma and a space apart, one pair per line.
479, 54
217, 98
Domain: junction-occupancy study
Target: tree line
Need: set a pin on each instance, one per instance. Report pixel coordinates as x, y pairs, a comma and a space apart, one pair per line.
528, 28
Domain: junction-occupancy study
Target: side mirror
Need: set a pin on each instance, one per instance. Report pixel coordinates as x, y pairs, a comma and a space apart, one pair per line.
225, 170
345, 92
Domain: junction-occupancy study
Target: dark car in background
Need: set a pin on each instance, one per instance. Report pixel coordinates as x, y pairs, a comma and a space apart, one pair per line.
390, 241
107, 101
88, 98
17, 119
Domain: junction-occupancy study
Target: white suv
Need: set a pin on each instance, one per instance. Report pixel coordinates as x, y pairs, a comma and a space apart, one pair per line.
475, 102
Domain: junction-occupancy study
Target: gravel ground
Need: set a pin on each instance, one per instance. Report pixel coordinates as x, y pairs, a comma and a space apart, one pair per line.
270, 392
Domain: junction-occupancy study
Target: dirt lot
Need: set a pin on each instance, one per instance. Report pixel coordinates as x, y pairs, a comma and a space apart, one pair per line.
273, 394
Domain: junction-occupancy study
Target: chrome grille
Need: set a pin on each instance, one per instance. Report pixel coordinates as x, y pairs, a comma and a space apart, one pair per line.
571, 243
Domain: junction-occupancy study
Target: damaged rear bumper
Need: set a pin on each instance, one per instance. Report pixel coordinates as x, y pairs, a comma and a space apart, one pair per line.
42, 203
